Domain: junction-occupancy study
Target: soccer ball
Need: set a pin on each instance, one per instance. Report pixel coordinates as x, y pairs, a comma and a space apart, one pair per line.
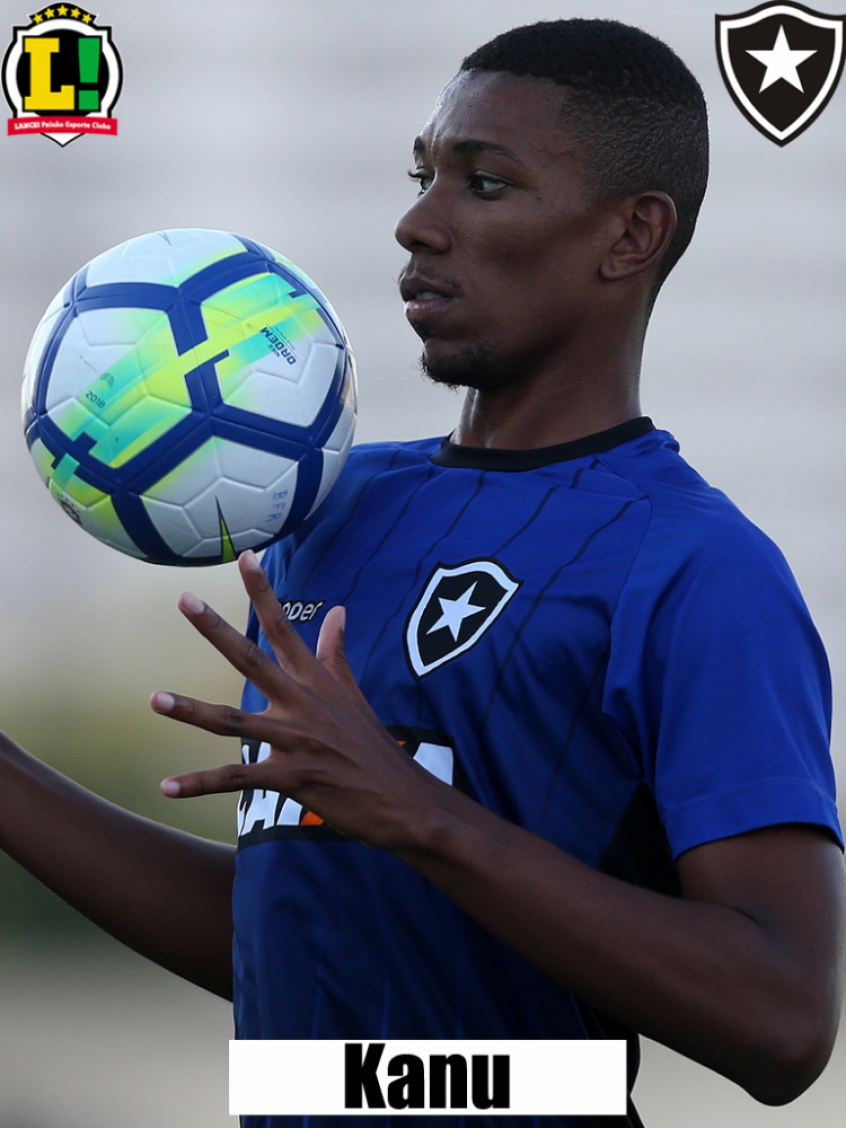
187, 395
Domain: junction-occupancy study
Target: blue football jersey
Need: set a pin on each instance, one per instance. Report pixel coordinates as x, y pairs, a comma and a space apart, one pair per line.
589, 640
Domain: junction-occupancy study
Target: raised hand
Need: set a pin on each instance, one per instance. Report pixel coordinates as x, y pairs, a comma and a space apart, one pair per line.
329, 751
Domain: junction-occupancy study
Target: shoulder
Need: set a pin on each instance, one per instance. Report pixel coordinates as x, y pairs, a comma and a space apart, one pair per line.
694, 528
371, 460
387, 463
716, 672
707, 587
375, 457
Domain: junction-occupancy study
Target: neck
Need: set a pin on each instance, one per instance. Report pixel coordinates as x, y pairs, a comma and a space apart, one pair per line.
550, 409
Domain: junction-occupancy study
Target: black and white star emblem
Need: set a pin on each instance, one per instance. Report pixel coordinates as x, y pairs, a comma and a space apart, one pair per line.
781, 64
457, 606
455, 611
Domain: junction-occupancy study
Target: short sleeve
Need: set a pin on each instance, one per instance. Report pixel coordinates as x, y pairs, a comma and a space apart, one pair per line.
718, 679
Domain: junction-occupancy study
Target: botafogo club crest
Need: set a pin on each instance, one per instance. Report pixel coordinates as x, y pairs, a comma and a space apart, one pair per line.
781, 64
457, 606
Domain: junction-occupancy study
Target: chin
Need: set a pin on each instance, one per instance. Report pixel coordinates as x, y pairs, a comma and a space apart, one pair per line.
474, 366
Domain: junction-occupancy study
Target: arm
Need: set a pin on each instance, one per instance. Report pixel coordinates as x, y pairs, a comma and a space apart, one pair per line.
743, 974
162, 892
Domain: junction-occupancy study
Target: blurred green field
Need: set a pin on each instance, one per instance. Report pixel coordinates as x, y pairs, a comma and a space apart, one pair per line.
120, 751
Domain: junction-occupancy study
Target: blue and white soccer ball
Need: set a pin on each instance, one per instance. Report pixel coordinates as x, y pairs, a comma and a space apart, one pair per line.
189, 394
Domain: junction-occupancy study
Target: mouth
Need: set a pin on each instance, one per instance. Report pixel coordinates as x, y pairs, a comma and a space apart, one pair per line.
425, 297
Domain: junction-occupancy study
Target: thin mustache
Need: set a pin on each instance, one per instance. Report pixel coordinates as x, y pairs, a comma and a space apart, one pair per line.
429, 275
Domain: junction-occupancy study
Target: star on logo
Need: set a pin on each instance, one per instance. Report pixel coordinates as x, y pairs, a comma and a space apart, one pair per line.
781, 62
455, 611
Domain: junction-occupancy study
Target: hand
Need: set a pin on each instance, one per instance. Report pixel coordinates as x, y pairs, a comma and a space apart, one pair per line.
329, 751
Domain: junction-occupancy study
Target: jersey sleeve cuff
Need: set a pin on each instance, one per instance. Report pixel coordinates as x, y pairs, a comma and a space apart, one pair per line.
773, 803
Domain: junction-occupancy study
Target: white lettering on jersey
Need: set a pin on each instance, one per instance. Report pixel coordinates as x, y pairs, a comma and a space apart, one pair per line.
436, 758
260, 808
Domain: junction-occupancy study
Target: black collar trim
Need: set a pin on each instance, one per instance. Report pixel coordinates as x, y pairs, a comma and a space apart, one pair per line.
481, 458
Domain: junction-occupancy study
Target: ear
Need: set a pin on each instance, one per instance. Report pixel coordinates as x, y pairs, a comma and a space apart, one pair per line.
649, 223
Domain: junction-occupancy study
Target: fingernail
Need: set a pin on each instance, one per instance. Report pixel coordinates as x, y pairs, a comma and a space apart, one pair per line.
162, 702
169, 787
342, 620
251, 561
190, 603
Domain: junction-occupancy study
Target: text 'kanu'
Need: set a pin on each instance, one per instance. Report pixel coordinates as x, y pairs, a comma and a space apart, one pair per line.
489, 1079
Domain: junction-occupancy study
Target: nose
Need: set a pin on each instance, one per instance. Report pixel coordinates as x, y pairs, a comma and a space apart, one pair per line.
424, 226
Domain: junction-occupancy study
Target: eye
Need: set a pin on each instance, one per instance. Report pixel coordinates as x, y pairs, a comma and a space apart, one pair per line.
484, 185
424, 179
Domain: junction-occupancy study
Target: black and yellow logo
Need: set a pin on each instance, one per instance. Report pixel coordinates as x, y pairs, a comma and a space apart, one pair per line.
62, 76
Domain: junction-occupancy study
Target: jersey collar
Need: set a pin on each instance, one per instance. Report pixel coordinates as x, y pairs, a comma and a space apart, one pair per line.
480, 458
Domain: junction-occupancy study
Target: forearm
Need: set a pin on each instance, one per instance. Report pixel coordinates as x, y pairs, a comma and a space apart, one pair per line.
707, 979
162, 892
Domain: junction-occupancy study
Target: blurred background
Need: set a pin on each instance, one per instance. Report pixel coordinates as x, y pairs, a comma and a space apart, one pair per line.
291, 121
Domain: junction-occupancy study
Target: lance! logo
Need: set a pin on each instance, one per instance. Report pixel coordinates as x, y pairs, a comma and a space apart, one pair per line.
781, 64
62, 76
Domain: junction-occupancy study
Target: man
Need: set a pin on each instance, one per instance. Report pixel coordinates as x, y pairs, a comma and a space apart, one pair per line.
602, 802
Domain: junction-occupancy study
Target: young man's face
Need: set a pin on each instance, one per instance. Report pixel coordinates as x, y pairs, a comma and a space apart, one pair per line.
505, 251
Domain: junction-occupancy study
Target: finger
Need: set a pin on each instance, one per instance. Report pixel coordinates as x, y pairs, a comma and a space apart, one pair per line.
224, 720
248, 659
332, 655
214, 781
267, 774
292, 653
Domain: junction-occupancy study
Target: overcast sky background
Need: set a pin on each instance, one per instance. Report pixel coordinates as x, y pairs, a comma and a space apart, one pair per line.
291, 121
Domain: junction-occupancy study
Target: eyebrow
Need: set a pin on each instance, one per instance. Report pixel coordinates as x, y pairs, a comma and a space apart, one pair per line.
468, 146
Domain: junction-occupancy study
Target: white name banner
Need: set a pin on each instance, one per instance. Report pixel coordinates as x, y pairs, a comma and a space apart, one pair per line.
339, 1078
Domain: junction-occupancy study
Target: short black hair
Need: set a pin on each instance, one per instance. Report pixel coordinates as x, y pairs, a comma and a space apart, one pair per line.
634, 109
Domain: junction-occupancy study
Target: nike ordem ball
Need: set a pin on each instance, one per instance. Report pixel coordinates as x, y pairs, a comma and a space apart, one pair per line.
187, 395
